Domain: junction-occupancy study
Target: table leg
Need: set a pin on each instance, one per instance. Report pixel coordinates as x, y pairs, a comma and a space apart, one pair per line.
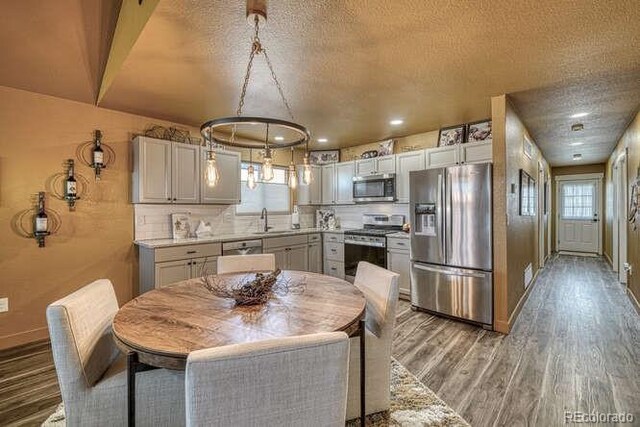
132, 361
362, 373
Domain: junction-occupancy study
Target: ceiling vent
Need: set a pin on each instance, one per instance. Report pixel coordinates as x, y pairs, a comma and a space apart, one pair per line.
577, 127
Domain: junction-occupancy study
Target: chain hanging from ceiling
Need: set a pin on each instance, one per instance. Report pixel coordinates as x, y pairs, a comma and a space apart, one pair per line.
226, 131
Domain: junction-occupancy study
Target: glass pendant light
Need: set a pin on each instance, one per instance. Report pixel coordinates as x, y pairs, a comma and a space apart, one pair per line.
212, 175
251, 174
267, 161
306, 167
293, 177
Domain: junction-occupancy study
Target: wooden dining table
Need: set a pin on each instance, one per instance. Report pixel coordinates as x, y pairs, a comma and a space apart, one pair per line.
159, 328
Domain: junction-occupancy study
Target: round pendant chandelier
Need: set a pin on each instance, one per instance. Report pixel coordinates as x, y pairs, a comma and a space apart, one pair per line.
263, 133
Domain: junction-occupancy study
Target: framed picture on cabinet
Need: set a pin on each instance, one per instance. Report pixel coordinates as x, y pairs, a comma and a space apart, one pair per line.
324, 157
479, 131
451, 135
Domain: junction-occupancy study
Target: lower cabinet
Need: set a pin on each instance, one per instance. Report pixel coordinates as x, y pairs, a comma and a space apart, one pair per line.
291, 252
334, 255
398, 261
163, 266
169, 272
315, 257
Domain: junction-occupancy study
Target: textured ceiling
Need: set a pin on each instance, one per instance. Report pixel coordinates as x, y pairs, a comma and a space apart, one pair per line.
347, 66
610, 102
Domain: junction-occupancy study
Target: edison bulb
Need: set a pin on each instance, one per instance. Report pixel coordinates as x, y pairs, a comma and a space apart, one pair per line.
251, 178
267, 169
212, 174
293, 178
306, 171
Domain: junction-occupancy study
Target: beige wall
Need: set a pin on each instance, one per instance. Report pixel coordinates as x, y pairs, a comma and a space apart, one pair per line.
515, 236
37, 134
630, 141
405, 143
571, 170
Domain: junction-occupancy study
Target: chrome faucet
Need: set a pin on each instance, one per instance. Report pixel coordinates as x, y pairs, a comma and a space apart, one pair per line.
265, 216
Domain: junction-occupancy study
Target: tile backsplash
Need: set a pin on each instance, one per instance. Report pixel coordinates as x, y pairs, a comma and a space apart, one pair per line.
154, 221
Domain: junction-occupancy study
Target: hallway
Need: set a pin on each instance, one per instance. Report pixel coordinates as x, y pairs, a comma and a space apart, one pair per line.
575, 347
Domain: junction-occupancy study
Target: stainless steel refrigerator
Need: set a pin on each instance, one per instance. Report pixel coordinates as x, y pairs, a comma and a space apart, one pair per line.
451, 242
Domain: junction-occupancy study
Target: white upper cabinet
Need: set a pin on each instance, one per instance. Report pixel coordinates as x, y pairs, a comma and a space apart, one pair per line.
228, 189
475, 152
405, 163
310, 194
375, 166
185, 173
344, 180
329, 184
386, 164
151, 170
365, 167
442, 156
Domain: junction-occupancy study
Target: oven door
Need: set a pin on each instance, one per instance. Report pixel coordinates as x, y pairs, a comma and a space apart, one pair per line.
377, 188
353, 254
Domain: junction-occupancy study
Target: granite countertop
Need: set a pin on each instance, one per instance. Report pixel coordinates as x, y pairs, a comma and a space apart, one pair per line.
399, 235
163, 243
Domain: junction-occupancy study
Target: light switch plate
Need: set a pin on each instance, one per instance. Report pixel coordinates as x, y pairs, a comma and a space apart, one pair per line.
4, 305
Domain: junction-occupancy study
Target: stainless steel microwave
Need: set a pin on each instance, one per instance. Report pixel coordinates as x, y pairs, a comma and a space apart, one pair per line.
374, 188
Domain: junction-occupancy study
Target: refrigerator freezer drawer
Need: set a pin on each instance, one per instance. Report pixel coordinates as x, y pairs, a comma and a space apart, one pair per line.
467, 294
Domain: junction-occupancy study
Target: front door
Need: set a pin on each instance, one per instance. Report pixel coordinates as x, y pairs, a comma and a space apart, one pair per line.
578, 219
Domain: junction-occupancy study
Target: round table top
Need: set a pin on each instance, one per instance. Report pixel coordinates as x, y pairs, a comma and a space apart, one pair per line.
164, 325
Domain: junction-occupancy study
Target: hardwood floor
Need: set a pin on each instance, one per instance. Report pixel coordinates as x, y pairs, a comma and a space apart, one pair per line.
575, 347
29, 390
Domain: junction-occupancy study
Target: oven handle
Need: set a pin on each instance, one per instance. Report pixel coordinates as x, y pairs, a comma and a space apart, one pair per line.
373, 245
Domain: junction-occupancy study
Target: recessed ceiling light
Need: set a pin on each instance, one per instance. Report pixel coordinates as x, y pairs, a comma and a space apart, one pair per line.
322, 140
396, 122
279, 138
577, 156
576, 143
578, 115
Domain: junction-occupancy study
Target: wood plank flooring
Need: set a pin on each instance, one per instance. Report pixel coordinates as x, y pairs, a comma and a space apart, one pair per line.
575, 346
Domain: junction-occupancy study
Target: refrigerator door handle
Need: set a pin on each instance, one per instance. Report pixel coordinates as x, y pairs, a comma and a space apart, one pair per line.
448, 239
449, 271
440, 217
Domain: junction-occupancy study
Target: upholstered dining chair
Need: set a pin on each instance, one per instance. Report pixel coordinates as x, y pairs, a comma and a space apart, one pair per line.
92, 372
284, 381
380, 288
240, 263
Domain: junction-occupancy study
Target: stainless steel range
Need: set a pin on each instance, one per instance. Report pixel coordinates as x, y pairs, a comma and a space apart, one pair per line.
369, 243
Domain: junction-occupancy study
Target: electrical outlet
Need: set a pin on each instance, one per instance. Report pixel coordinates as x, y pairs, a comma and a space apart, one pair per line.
226, 217
4, 305
140, 219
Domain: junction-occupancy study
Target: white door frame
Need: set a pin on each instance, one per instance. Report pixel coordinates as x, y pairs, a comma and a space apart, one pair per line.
583, 176
541, 214
620, 217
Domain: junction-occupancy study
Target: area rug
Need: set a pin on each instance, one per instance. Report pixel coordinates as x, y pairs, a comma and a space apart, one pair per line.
412, 404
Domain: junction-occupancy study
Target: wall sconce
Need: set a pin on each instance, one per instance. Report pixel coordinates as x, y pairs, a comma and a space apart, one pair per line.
96, 154
37, 222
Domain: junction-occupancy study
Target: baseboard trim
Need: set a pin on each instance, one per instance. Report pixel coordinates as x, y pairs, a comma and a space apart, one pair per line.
523, 300
634, 300
22, 338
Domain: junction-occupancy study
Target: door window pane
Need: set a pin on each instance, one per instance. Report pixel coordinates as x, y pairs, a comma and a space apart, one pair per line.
578, 201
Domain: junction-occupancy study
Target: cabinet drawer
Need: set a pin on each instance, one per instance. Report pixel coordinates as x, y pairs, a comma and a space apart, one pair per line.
316, 237
284, 241
398, 243
333, 237
334, 251
188, 251
334, 268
